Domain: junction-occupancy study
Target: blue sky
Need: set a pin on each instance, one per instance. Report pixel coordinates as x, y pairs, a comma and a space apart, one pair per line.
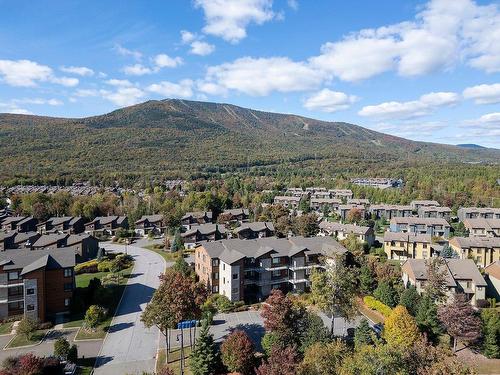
424, 70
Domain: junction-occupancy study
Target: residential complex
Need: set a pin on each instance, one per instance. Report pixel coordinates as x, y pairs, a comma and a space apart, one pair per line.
196, 218
291, 202
483, 227
249, 269
342, 231
416, 204
381, 183
149, 223
63, 224
402, 246
203, 232
106, 225
475, 213
435, 211
462, 276
250, 231
388, 211
483, 250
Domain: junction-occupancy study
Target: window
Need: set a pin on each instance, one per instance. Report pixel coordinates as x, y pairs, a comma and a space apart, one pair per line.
19, 305
223, 266
30, 307
67, 301
215, 262
468, 284
30, 291
216, 275
203, 257
276, 260
276, 273
215, 289
308, 271
14, 275
235, 276
235, 290
68, 272
68, 287
16, 291
425, 246
223, 280
276, 286
401, 244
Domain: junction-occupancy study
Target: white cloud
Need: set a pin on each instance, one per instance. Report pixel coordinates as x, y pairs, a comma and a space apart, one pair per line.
165, 61
260, 77
65, 81
410, 129
201, 48
136, 70
83, 93
487, 121
128, 52
12, 108
426, 104
39, 101
483, 94
329, 101
187, 36
119, 82
294, 4
24, 73
183, 89
78, 70
229, 19
123, 95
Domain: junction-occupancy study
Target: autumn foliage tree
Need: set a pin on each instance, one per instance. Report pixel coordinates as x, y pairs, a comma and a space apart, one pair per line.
238, 353
460, 320
323, 359
400, 328
354, 215
282, 361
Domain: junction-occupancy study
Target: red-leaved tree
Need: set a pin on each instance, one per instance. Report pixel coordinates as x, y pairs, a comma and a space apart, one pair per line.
238, 353
280, 362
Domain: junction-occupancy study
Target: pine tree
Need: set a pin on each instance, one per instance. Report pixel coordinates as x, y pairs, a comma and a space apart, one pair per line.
427, 318
363, 335
204, 359
366, 280
410, 299
491, 338
386, 294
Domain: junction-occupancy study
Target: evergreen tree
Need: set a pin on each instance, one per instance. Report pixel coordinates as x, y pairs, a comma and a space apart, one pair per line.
204, 359
366, 280
427, 318
178, 243
181, 265
491, 333
386, 294
363, 335
410, 299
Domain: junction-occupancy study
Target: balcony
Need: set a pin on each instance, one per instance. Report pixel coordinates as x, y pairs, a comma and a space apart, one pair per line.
266, 281
307, 266
298, 281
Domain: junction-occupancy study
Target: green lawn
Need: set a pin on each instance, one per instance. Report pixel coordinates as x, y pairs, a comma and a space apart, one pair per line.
83, 280
6, 328
174, 360
98, 333
169, 257
21, 340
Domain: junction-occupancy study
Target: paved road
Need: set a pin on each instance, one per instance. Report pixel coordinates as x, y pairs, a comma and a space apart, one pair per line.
129, 347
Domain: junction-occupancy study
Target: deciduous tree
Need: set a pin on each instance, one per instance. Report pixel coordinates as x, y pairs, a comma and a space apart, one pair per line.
400, 328
238, 353
282, 361
323, 359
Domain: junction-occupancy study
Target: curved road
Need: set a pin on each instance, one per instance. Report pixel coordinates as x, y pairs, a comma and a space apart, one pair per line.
129, 347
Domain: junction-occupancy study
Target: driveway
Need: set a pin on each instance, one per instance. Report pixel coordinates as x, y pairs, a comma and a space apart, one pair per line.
129, 347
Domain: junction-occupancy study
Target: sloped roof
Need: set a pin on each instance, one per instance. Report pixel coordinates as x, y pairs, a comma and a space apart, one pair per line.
488, 224
31, 260
256, 226
420, 221
348, 228
468, 242
49, 239
493, 270
407, 237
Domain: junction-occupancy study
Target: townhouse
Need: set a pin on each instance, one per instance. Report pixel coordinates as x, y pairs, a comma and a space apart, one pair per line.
64, 224
381, 183
204, 232
236, 215
196, 218
359, 201
21, 240
416, 204
106, 225
287, 201
402, 246
36, 284
342, 231
483, 227
478, 213
19, 223
258, 229
435, 211
433, 226
296, 192
341, 193
247, 270
83, 246
483, 250
461, 275
388, 211
149, 223
321, 204
345, 208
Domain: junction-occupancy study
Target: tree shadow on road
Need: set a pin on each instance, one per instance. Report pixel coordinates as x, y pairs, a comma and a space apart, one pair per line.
119, 327
133, 297
254, 331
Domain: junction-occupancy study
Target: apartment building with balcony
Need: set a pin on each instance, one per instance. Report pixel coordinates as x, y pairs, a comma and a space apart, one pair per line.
432, 226
435, 211
483, 250
249, 269
416, 204
36, 284
287, 201
320, 204
388, 211
341, 193
403, 246
478, 213
342, 231
483, 227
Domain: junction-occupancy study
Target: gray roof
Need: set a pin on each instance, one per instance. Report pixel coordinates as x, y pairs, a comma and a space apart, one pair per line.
435, 208
237, 211
348, 228
257, 226
326, 200
467, 242
232, 250
49, 239
390, 207
13, 219
425, 202
23, 237
483, 210
417, 268
31, 260
60, 220
358, 201
488, 224
420, 221
286, 198
150, 218
197, 214
205, 229
407, 237
77, 238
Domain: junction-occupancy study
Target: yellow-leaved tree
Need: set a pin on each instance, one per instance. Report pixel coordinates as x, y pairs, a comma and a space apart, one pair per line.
400, 328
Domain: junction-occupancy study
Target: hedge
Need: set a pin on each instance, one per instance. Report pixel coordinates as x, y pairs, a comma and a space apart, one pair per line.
375, 304
87, 267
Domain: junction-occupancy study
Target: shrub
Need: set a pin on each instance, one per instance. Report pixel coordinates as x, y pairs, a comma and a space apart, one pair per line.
73, 354
61, 348
104, 266
482, 303
87, 267
27, 327
95, 314
375, 304
219, 302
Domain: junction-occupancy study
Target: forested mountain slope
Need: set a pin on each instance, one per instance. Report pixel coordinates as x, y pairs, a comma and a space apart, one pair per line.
180, 137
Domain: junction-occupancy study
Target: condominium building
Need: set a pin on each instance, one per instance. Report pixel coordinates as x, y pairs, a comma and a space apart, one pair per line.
461, 275
433, 226
345, 208
402, 246
342, 231
388, 211
36, 284
483, 250
478, 213
483, 227
341, 193
287, 201
319, 204
435, 211
416, 204
249, 269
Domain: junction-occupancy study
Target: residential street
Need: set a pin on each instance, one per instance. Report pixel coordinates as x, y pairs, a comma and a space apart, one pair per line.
129, 347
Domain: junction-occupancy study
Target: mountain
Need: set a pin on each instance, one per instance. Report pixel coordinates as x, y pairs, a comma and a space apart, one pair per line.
470, 145
179, 137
